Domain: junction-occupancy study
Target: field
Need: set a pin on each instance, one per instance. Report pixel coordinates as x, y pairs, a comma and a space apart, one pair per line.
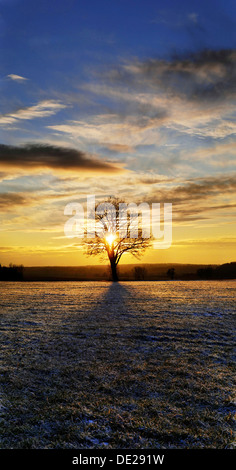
127, 365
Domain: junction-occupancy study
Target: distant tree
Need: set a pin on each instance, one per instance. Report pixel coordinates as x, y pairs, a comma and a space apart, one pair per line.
205, 273
11, 273
226, 271
108, 241
139, 273
171, 273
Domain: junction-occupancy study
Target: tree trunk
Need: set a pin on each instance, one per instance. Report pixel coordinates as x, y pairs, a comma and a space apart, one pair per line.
113, 270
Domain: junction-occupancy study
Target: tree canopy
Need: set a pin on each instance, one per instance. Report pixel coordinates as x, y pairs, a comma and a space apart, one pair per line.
118, 231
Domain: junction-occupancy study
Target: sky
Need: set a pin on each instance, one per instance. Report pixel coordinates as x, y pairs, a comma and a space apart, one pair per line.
126, 98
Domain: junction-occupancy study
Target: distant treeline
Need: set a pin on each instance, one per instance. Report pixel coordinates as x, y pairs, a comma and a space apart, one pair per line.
141, 272
11, 273
225, 271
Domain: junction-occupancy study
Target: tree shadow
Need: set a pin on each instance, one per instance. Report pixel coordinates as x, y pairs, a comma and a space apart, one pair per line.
115, 299
117, 291
123, 299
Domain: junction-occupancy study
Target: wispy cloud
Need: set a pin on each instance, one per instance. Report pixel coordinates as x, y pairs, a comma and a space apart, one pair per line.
40, 110
176, 20
17, 78
11, 200
190, 95
214, 151
218, 241
199, 198
113, 131
199, 188
39, 249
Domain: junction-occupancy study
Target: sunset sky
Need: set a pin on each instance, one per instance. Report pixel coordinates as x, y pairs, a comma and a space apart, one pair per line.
127, 98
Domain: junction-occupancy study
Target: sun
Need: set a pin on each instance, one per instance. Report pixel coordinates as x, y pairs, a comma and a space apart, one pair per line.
110, 238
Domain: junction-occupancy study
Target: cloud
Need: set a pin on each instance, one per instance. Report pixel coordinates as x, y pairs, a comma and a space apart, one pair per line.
193, 17
211, 125
151, 179
11, 200
33, 156
199, 189
16, 78
205, 75
176, 20
118, 148
42, 109
218, 150
3, 175
117, 132
197, 198
231, 241
29, 249
191, 95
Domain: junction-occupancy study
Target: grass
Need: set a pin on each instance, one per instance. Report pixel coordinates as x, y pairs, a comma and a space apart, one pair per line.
132, 371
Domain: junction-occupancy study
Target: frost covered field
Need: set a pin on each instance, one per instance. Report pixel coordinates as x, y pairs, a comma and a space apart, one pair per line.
128, 365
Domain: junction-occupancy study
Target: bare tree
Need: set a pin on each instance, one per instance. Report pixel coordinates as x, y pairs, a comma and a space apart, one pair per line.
139, 273
114, 234
171, 273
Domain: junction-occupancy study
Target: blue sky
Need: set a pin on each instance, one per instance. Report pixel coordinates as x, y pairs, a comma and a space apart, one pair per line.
60, 47
117, 97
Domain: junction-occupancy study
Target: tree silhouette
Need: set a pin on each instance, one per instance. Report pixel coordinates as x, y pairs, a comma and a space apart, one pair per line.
139, 273
11, 273
114, 234
171, 273
205, 273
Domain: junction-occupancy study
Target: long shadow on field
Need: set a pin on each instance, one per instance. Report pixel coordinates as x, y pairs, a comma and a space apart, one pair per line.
114, 299
112, 366
117, 296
